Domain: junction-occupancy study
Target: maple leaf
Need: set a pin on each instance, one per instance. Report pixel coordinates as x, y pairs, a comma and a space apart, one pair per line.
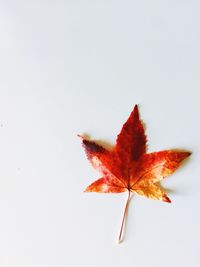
127, 167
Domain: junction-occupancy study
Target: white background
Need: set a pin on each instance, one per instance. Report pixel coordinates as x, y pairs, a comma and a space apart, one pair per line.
69, 67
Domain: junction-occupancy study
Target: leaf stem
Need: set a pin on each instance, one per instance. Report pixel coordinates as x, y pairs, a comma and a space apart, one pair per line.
124, 217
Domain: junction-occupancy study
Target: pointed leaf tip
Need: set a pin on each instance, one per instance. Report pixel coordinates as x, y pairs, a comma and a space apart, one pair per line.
135, 107
136, 111
166, 199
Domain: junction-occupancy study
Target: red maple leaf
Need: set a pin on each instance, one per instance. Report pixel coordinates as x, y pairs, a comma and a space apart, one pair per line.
127, 167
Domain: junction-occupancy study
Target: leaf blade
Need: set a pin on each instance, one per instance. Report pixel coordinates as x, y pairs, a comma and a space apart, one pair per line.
131, 141
152, 191
105, 161
103, 185
157, 165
